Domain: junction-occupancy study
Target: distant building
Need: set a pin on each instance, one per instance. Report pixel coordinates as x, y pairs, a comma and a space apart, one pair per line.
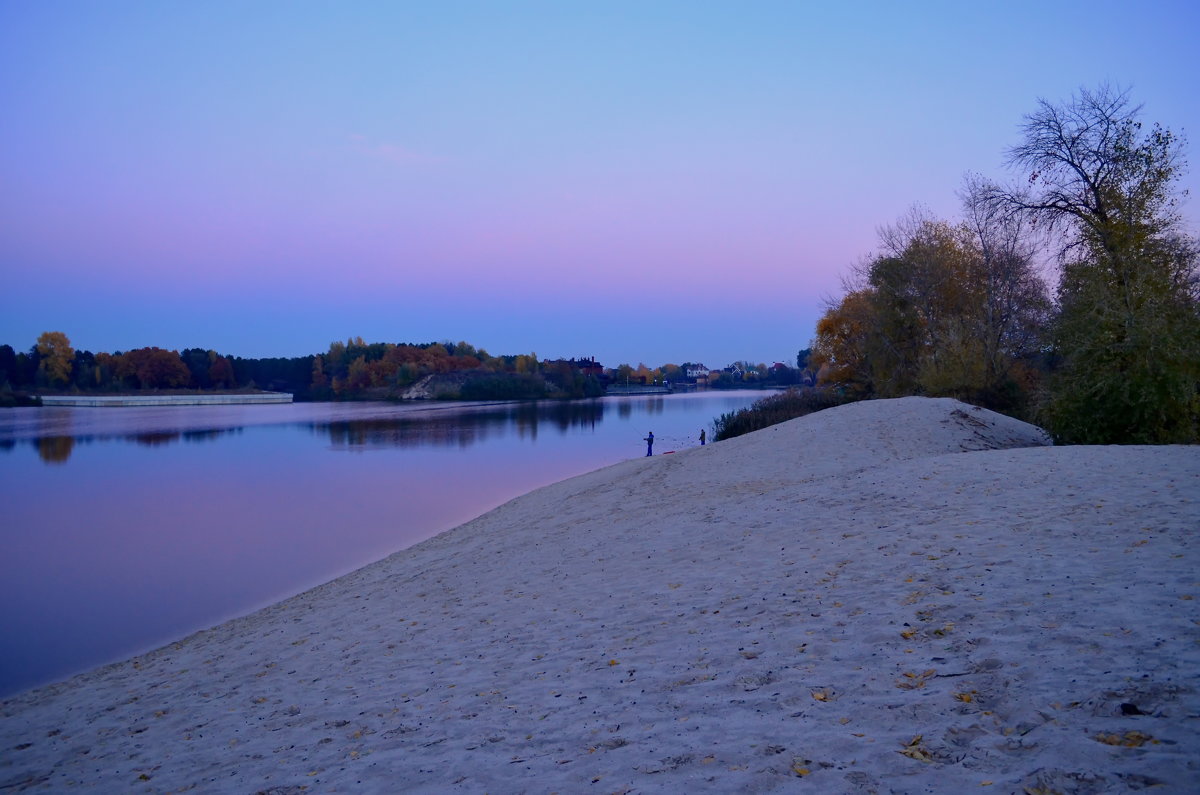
586, 366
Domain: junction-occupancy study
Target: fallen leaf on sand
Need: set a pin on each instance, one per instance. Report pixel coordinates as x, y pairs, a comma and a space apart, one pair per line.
914, 681
1133, 739
914, 750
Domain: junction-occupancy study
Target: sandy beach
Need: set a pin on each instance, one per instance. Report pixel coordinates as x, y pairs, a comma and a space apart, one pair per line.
910, 595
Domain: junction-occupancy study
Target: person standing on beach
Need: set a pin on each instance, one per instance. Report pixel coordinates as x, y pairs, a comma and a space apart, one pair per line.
702, 436
649, 440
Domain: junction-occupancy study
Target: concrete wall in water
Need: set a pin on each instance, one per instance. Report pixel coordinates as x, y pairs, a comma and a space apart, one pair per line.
165, 400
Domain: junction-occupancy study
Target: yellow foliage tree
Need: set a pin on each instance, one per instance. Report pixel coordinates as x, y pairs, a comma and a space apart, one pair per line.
57, 356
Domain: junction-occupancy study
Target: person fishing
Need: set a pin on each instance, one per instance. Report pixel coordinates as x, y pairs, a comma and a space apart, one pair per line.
703, 436
649, 440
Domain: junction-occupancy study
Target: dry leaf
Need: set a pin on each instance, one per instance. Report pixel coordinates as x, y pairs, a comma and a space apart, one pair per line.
914, 750
1133, 739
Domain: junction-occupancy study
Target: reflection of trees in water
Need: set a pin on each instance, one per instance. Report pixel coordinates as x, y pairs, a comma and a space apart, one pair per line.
577, 415
655, 405
458, 427
209, 435
55, 449
462, 428
157, 439
160, 438
401, 433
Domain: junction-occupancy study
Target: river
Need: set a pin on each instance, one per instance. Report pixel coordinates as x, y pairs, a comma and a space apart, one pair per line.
122, 529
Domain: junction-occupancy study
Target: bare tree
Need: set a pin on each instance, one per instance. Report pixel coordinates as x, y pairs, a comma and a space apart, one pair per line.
1128, 329
1092, 173
1016, 308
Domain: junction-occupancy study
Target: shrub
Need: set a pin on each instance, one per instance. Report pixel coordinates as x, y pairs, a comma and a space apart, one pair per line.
504, 386
775, 409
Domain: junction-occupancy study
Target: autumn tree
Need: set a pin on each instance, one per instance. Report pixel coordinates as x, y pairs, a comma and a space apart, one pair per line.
945, 309
919, 329
220, 371
1128, 329
153, 368
839, 353
57, 357
319, 379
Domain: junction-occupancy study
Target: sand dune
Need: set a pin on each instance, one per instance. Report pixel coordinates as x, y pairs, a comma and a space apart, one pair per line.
891, 596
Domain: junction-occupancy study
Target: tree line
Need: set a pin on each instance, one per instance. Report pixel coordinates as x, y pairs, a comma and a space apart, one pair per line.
960, 307
348, 369
354, 369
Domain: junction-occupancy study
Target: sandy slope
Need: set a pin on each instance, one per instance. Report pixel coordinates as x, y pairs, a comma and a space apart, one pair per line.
879, 597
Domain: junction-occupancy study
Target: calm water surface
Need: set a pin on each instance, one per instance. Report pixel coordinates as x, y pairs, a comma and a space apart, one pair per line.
123, 528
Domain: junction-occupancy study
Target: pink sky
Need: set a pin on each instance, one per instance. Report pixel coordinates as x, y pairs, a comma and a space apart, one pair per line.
684, 181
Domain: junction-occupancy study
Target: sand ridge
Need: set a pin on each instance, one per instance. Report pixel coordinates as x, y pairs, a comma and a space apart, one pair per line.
891, 596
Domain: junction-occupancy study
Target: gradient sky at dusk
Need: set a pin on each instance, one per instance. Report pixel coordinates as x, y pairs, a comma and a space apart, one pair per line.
635, 181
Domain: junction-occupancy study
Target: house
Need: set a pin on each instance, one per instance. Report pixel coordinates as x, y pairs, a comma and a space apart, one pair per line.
586, 365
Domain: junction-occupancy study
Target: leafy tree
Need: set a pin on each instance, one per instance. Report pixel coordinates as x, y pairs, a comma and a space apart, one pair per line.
8, 366
105, 371
319, 379
57, 357
944, 310
220, 371
153, 368
504, 386
840, 351
1128, 331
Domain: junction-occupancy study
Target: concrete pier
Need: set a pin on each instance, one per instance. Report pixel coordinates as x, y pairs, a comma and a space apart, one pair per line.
636, 389
165, 400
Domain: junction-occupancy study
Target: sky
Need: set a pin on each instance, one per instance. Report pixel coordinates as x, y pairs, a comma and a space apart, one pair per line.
632, 181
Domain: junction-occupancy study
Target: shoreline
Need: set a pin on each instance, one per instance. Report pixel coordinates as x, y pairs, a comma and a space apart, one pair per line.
893, 594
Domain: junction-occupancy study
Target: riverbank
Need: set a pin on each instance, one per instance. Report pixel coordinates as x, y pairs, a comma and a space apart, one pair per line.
901, 595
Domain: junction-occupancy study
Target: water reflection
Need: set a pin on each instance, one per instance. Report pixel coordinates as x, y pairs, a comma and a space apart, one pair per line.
125, 529
210, 435
460, 428
55, 449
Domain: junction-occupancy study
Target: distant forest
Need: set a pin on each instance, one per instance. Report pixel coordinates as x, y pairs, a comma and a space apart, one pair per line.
355, 370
